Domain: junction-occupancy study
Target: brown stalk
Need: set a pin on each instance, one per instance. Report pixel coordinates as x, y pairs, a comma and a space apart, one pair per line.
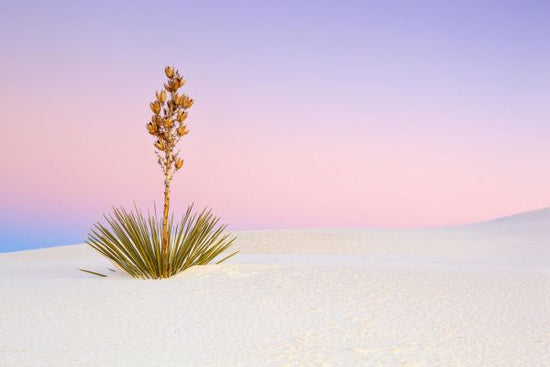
167, 125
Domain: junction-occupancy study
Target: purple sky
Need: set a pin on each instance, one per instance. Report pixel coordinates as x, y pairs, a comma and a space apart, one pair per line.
307, 114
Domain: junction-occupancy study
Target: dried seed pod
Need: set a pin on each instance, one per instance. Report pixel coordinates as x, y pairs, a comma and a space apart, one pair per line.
181, 82
182, 116
169, 71
168, 87
157, 120
151, 128
155, 107
159, 145
182, 130
179, 163
161, 96
174, 84
168, 123
188, 102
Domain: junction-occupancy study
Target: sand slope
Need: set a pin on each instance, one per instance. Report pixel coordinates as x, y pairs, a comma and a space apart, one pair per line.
476, 295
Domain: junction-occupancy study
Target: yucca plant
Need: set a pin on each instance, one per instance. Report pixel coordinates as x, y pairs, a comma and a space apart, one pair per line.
153, 247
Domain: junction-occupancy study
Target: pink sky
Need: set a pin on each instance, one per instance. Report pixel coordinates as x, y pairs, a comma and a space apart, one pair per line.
357, 116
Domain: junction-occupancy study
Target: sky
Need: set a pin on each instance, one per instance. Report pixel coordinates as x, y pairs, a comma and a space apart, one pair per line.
307, 114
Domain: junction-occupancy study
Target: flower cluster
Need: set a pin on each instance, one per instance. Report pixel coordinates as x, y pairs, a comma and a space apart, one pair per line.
167, 124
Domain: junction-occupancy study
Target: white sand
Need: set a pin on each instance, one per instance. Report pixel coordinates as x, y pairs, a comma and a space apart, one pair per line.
476, 295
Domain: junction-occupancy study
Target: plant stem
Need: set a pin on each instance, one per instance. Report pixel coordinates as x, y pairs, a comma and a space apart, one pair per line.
167, 179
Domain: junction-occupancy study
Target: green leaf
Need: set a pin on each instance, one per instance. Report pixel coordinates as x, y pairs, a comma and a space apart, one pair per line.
93, 272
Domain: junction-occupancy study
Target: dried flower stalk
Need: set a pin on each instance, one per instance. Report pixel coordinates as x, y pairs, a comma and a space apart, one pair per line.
167, 125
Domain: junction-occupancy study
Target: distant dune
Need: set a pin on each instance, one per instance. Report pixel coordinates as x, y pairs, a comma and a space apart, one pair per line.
472, 295
533, 217
517, 240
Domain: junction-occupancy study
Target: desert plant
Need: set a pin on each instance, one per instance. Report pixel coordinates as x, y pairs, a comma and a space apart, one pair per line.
148, 246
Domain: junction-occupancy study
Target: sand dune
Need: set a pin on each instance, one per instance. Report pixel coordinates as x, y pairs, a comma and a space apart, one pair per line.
474, 295
517, 240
